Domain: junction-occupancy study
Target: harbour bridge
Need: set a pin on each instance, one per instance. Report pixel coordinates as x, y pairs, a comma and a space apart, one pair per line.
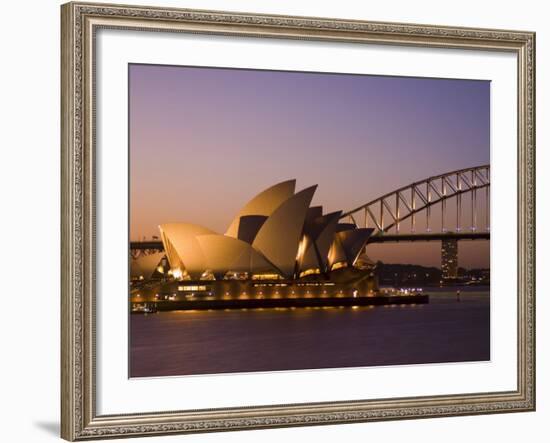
448, 208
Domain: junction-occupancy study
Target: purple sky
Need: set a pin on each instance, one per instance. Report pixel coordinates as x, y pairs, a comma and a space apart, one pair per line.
203, 141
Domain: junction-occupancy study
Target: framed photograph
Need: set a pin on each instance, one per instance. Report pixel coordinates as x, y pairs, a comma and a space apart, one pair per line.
277, 221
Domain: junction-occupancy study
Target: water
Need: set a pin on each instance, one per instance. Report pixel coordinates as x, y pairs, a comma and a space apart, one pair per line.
208, 342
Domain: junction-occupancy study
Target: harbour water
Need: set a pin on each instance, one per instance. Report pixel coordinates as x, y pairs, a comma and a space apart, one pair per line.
211, 342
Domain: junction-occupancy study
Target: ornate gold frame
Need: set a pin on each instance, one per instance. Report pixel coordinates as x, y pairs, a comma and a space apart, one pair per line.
79, 420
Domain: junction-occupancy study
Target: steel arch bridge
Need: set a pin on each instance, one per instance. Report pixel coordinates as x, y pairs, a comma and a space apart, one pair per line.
386, 213
459, 187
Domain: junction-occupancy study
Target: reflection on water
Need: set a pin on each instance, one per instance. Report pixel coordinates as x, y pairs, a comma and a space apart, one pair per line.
206, 342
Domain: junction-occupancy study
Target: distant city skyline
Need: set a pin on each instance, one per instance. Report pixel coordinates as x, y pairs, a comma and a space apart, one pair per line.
203, 141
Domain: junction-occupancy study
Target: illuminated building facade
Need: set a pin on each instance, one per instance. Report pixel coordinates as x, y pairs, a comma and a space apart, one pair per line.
276, 234
277, 238
449, 259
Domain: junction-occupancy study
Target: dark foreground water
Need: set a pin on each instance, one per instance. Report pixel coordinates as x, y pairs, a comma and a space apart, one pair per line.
183, 343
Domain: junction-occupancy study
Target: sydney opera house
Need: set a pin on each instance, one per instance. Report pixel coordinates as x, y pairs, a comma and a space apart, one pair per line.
276, 240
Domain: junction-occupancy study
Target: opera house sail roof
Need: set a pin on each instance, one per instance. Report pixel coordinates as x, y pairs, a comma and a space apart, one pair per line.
276, 233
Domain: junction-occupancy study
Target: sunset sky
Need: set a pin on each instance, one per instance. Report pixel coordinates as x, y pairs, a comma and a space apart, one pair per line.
203, 141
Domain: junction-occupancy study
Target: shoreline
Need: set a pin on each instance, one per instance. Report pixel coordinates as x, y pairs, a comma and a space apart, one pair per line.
256, 303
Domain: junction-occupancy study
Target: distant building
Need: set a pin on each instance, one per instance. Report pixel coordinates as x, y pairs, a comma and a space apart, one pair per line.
449, 259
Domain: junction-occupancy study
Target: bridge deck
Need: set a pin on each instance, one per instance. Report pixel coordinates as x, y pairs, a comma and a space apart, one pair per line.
436, 236
386, 238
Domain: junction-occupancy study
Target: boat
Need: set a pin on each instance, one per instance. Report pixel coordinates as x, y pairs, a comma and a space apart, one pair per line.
144, 308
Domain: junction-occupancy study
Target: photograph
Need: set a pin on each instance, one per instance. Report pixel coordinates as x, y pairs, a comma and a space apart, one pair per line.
278, 218
290, 220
